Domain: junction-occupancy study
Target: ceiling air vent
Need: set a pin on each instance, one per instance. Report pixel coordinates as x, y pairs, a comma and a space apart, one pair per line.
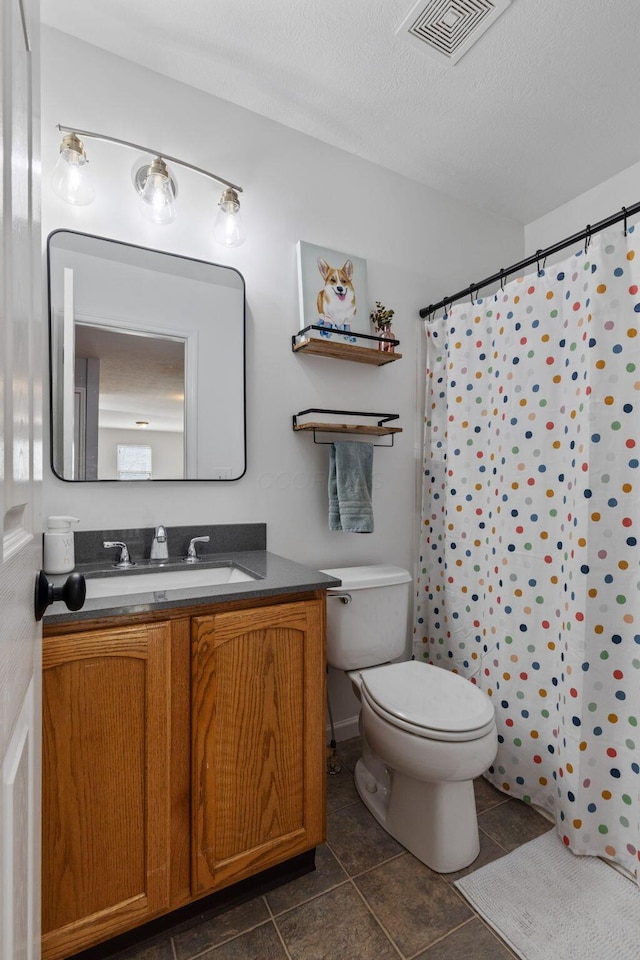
446, 29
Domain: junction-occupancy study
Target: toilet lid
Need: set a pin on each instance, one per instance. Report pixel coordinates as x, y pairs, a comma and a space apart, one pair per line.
430, 698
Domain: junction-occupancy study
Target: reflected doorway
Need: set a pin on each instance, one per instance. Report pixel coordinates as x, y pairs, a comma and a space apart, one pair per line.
129, 389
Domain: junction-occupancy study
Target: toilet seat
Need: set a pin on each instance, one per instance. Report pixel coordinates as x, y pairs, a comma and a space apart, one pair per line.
427, 701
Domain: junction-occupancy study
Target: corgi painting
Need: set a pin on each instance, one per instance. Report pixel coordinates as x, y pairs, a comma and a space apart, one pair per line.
335, 299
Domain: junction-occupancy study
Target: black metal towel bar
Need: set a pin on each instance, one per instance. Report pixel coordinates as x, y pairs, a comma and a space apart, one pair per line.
539, 255
327, 443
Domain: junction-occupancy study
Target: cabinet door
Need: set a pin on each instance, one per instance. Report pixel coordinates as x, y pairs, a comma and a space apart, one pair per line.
106, 800
257, 740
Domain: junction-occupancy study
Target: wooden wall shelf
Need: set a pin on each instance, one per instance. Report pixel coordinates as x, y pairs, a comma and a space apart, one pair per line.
356, 428
380, 429
305, 342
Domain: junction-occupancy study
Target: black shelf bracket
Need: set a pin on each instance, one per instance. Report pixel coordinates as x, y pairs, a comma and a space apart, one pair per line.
328, 331
381, 418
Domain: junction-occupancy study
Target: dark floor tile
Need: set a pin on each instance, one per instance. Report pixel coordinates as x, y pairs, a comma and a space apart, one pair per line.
415, 905
358, 840
512, 824
488, 851
335, 926
473, 941
210, 933
158, 951
263, 943
341, 790
349, 752
328, 874
487, 795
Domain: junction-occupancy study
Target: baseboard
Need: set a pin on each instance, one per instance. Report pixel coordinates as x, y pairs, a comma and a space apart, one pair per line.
344, 729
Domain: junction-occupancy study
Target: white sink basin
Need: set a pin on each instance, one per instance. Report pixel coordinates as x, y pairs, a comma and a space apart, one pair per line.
164, 581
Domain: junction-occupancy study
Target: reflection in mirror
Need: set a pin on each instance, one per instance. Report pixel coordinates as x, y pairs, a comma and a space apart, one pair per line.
147, 363
124, 371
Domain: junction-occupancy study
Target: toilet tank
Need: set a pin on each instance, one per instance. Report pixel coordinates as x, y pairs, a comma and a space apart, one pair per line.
371, 627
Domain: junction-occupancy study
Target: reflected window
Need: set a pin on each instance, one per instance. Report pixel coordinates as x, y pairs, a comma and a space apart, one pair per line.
134, 461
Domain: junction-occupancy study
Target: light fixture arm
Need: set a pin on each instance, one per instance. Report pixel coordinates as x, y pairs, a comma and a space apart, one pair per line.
156, 153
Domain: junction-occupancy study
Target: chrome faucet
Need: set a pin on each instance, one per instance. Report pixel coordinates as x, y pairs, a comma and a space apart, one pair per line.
160, 545
192, 556
124, 559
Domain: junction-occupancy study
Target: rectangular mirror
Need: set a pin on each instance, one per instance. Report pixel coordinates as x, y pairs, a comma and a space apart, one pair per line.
147, 362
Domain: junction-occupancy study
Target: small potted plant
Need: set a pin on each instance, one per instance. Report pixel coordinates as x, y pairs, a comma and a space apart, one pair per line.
381, 319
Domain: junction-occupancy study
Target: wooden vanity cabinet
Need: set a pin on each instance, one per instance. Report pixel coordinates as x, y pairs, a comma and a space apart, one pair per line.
182, 752
106, 799
258, 740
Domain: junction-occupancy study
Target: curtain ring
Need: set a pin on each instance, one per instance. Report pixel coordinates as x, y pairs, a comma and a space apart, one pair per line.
587, 237
471, 294
624, 210
538, 255
502, 279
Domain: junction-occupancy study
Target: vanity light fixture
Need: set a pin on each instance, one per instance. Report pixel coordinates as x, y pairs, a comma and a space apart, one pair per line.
70, 178
157, 190
154, 183
229, 228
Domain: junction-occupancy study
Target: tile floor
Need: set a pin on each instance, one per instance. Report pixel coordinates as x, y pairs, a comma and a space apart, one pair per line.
368, 898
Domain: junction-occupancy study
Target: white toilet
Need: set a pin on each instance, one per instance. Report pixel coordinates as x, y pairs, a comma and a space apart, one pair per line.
426, 732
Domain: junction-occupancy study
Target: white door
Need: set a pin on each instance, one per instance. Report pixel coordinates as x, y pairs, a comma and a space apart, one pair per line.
22, 338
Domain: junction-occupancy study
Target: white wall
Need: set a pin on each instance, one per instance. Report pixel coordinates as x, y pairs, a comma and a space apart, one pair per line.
611, 195
419, 246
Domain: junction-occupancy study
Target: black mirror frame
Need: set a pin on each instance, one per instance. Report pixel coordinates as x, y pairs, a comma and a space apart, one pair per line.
179, 256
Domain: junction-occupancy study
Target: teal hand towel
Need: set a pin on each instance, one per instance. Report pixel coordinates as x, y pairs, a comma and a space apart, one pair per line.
350, 483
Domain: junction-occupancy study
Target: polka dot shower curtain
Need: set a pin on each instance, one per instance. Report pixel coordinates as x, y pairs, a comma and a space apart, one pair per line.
529, 567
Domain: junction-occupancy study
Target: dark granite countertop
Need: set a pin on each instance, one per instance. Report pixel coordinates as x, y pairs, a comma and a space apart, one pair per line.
276, 575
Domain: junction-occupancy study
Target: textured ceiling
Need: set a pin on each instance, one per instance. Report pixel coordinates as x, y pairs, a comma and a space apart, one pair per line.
542, 108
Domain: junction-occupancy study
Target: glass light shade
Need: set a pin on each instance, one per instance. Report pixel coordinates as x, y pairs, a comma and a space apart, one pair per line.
70, 178
229, 228
157, 199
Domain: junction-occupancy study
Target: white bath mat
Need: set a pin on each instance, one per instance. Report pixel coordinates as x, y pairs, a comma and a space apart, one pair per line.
548, 904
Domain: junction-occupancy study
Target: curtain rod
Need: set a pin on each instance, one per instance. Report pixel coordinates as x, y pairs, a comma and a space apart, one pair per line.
587, 233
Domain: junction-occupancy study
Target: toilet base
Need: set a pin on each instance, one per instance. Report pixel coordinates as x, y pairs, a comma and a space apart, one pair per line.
435, 821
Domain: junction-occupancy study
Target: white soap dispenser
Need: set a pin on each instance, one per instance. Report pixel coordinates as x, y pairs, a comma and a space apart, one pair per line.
59, 556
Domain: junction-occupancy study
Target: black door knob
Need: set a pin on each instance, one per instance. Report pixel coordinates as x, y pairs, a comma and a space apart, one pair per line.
73, 591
